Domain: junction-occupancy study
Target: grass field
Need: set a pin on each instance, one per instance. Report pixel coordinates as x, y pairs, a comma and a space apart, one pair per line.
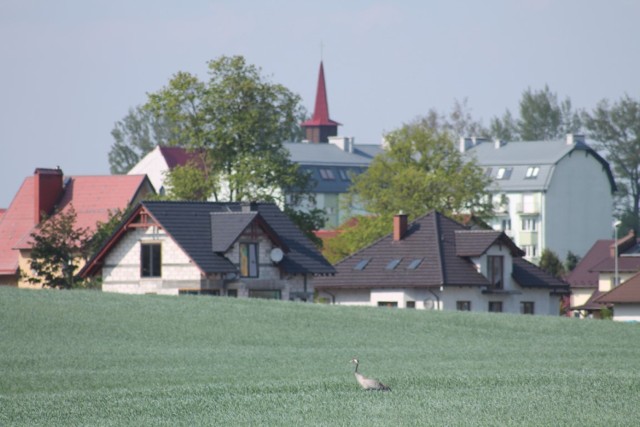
88, 358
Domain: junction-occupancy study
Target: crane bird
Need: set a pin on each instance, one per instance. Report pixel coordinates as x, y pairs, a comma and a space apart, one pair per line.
368, 383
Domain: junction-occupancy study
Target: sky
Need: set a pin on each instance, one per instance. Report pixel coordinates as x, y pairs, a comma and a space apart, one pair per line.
70, 69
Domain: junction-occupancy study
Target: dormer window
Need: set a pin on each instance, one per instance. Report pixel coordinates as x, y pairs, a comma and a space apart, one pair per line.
249, 260
495, 271
532, 172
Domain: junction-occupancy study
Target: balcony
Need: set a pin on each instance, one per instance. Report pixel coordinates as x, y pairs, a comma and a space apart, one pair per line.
527, 238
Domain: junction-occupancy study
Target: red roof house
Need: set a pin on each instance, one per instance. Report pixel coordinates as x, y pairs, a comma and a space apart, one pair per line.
48, 191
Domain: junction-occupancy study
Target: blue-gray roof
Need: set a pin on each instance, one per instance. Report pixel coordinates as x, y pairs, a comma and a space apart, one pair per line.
330, 167
520, 156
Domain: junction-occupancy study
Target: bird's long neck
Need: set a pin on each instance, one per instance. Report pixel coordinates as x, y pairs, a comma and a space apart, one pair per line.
356, 367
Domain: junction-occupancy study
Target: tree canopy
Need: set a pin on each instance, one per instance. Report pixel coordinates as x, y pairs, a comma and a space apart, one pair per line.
616, 128
236, 121
57, 246
420, 170
541, 118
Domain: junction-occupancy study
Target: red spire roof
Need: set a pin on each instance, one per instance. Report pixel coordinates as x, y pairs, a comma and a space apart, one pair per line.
321, 110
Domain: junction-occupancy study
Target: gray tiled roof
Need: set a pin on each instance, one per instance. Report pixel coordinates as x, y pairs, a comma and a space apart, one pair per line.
432, 238
227, 226
328, 154
520, 155
190, 225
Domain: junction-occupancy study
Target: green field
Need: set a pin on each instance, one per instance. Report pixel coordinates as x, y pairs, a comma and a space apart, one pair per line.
88, 358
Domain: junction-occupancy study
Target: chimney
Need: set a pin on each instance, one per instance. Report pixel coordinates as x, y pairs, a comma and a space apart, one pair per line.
573, 139
342, 142
498, 143
399, 226
47, 189
251, 206
624, 244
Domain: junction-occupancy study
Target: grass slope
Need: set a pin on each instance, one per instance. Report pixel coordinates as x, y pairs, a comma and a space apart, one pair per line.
87, 358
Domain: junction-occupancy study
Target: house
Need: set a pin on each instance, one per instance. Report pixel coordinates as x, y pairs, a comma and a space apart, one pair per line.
227, 249
625, 300
596, 273
332, 161
543, 192
156, 163
438, 263
48, 191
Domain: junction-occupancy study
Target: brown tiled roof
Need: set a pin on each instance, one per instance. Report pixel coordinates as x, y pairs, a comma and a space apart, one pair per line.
592, 303
433, 239
473, 243
626, 292
529, 275
582, 275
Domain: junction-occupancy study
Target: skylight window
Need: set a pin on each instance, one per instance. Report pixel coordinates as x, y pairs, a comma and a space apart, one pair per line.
504, 173
532, 172
362, 264
344, 175
415, 263
393, 264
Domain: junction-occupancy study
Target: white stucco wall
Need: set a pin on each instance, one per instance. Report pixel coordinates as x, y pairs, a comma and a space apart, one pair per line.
626, 312
154, 165
578, 206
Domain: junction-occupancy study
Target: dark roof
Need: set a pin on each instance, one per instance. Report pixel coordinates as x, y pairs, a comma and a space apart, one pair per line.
627, 292
226, 226
529, 275
190, 225
433, 239
473, 243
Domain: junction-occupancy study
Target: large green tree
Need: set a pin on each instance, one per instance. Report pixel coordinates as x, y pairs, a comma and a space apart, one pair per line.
134, 136
420, 170
616, 129
57, 247
236, 121
541, 117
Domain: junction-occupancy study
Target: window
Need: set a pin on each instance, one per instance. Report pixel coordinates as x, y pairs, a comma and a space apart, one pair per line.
213, 292
532, 172
362, 264
529, 224
530, 251
327, 174
344, 175
495, 306
526, 307
248, 260
504, 173
411, 304
463, 305
487, 172
495, 271
391, 304
232, 293
150, 260
393, 264
264, 294
506, 225
414, 264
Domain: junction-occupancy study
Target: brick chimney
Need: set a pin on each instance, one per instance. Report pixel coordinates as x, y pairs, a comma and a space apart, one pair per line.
47, 189
399, 226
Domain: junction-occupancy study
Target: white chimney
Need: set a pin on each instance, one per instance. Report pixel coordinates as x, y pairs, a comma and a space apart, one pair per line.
342, 142
573, 139
498, 143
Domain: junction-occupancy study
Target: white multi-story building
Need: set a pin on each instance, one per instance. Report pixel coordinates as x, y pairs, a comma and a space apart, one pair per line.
547, 194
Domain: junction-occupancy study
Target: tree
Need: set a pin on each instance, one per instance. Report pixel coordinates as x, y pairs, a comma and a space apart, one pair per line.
57, 246
616, 128
135, 135
550, 263
542, 118
571, 262
104, 229
422, 170
237, 122
355, 234
307, 222
459, 122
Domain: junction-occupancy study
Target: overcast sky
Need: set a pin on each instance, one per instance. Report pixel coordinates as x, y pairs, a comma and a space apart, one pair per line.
71, 68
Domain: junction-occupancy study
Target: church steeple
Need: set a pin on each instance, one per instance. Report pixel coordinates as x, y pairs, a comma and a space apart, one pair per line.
320, 127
